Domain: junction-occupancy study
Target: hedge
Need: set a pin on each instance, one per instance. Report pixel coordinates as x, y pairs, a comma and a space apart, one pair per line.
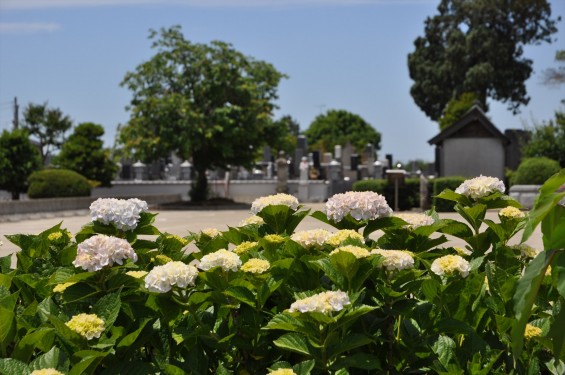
55, 183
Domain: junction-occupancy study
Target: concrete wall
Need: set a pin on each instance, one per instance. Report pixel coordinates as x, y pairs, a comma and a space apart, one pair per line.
471, 157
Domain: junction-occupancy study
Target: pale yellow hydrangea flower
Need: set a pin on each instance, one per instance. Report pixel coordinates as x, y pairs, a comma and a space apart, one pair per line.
252, 220
46, 371
211, 232
255, 265
358, 251
54, 236
311, 238
531, 332
415, 220
526, 250
137, 274
183, 241
274, 238
87, 325
449, 264
343, 235
511, 213
462, 251
274, 200
60, 288
395, 259
282, 371
244, 247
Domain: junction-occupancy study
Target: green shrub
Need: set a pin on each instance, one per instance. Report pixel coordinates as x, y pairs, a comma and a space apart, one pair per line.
51, 183
438, 185
408, 194
534, 171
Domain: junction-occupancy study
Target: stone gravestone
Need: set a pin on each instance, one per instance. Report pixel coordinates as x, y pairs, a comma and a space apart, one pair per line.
301, 150
282, 173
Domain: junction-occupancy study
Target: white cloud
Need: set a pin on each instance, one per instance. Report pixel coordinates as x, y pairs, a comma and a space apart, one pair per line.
38, 4
27, 28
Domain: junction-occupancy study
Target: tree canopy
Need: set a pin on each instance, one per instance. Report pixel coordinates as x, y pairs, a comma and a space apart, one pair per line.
207, 102
477, 47
338, 127
548, 140
19, 157
47, 126
83, 152
456, 108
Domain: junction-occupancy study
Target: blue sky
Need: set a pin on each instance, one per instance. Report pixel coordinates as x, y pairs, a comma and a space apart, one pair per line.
338, 54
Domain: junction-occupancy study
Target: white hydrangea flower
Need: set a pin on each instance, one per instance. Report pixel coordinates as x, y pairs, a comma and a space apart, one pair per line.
162, 278
358, 251
324, 302
480, 187
511, 213
361, 205
311, 238
526, 250
124, 214
100, 251
228, 260
395, 260
342, 235
449, 264
251, 220
415, 220
274, 200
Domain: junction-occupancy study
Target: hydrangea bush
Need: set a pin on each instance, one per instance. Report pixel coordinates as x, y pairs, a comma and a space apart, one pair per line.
382, 293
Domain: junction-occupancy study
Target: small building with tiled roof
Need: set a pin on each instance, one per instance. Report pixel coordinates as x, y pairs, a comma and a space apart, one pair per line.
471, 147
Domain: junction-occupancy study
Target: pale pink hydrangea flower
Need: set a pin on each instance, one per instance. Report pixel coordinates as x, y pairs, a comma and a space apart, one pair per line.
274, 200
361, 205
480, 187
223, 258
124, 214
161, 279
100, 251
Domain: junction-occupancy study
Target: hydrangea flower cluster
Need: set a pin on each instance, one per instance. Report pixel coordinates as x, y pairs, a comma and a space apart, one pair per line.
222, 258
252, 220
311, 238
282, 371
244, 247
211, 232
161, 279
87, 325
280, 199
462, 251
511, 213
255, 265
324, 302
343, 235
274, 238
526, 250
450, 264
46, 371
358, 251
100, 251
395, 260
532, 331
124, 214
361, 205
415, 220
480, 187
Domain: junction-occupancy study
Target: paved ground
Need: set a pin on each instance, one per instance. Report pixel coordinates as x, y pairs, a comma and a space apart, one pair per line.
180, 223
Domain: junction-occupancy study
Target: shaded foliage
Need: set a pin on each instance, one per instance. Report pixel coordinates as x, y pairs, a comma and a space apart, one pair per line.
19, 157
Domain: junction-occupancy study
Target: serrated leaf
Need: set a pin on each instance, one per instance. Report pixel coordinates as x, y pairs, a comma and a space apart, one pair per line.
293, 342
349, 342
10, 366
54, 358
90, 360
25, 347
242, 294
363, 361
107, 308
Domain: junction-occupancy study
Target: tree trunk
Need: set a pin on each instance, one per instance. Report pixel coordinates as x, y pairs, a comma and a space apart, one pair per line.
199, 191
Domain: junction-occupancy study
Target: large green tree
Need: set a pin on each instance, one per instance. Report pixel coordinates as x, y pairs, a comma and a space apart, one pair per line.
84, 153
47, 126
477, 46
548, 140
19, 157
204, 101
338, 127
282, 134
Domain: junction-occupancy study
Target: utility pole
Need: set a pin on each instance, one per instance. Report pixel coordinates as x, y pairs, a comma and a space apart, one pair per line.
16, 108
